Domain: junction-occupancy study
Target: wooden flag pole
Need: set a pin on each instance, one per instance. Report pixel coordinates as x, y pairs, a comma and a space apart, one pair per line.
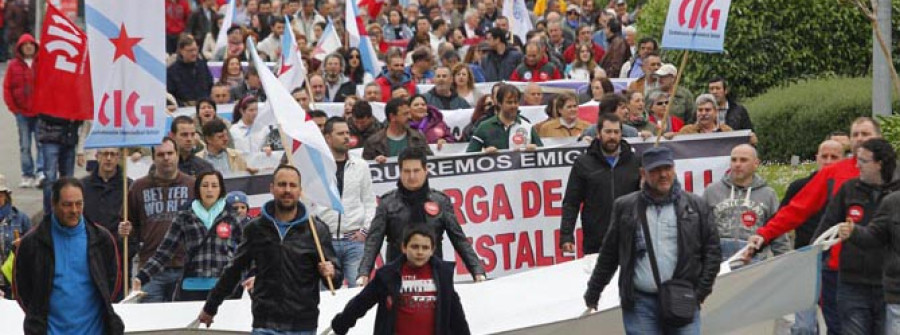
665, 121
125, 260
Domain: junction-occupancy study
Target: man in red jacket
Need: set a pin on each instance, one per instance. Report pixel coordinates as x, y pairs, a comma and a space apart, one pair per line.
812, 199
536, 68
18, 88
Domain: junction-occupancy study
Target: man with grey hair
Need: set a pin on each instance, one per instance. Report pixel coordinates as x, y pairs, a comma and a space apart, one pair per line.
337, 86
741, 202
470, 24
707, 117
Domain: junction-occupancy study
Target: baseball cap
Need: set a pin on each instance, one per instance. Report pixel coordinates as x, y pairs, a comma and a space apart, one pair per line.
573, 8
657, 156
666, 70
235, 197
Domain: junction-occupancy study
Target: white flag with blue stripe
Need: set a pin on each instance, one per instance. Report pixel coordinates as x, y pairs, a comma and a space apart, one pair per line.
311, 155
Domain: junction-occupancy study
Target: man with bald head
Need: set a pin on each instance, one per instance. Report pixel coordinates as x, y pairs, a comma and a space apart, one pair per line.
741, 202
830, 152
533, 96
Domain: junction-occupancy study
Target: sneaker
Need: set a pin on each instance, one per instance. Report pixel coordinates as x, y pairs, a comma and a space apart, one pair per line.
38, 181
26, 182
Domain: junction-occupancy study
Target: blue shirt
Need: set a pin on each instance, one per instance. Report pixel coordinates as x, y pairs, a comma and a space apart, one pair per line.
76, 306
663, 224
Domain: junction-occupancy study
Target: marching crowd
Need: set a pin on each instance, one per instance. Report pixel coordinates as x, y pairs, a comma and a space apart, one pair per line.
191, 239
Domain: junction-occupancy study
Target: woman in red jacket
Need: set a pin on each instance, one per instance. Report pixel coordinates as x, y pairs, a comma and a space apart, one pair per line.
18, 88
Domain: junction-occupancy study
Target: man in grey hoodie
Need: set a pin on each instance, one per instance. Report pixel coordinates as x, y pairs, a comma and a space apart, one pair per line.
742, 202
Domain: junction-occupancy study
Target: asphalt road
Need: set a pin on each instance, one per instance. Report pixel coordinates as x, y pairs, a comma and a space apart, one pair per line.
28, 200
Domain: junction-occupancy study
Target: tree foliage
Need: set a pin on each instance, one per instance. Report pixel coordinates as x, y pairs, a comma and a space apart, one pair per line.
771, 43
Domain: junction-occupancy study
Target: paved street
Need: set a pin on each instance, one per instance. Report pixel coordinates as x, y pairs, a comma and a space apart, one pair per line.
27, 200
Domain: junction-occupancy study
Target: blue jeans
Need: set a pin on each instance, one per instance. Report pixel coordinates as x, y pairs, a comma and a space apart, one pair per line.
349, 254
57, 159
267, 331
861, 308
161, 287
892, 320
806, 322
829, 302
28, 133
645, 318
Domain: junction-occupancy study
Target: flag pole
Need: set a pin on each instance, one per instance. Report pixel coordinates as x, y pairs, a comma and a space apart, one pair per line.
125, 260
665, 121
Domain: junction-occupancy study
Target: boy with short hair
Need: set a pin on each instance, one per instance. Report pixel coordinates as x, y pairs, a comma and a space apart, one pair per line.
413, 293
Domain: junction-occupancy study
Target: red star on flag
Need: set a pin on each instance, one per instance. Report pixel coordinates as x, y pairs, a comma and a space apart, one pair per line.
124, 44
285, 66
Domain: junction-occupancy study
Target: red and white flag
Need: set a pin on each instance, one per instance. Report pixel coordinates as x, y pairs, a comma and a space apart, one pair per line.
63, 85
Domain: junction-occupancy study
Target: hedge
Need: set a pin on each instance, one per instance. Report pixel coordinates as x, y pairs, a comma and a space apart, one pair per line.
794, 120
771, 43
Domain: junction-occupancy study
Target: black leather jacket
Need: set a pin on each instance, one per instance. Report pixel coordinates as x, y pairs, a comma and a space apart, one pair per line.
286, 290
35, 268
392, 219
699, 253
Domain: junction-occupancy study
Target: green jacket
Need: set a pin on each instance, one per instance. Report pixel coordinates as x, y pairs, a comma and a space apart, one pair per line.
493, 133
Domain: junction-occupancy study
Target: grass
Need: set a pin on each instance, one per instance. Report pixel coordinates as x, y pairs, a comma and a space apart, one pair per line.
779, 176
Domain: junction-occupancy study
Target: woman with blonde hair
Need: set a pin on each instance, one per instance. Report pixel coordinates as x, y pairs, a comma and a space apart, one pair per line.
464, 83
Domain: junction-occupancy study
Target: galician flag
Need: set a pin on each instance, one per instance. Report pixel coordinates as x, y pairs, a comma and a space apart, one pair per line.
359, 38
128, 71
306, 145
328, 43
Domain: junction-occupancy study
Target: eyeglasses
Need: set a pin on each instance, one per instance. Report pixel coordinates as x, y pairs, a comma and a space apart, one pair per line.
662, 103
109, 154
488, 105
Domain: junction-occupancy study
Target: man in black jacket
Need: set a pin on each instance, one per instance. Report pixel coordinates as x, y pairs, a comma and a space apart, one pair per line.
412, 204
288, 271
422, 287
607, 170
860, 297
499, 64
188, 79
684, 241
67, 270
730, 112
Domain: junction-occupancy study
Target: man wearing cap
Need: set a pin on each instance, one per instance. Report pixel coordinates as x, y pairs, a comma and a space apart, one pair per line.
499, 63
682, 245
682, 104
13, 225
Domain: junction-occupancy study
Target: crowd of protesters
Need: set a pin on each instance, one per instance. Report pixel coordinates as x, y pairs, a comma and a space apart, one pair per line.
195, 240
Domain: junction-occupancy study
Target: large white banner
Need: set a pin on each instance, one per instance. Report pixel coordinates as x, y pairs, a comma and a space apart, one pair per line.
510, 204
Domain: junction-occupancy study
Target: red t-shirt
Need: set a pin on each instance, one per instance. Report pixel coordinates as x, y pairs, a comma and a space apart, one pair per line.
418, 299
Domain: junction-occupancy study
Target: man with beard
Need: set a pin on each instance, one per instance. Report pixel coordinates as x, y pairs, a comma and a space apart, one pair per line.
415, 204
442, 95
317, 85
271, 45
354, 181
337, 87
608, 169
507, 129
285, 290
394, 76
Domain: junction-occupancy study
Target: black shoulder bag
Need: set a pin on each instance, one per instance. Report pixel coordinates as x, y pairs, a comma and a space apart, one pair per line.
677, 299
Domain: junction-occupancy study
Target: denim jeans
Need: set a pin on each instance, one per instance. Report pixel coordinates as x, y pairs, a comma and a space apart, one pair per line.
349, 254
57, 159
861, 308
161, 287
806, 322
829, 302
267, 331
28, 133
892, 319
645, 318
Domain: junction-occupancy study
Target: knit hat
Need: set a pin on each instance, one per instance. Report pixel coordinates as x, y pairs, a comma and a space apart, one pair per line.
235, 197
